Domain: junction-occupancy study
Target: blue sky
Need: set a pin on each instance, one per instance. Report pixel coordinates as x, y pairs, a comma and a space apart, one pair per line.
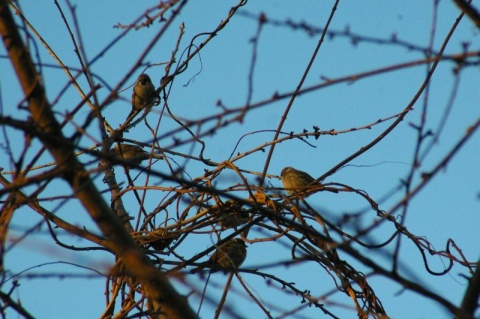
446, 209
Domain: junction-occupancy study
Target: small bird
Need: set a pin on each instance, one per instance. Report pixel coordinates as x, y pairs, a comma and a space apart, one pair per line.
230, 214
228, 257
133, 154
143, 94
295, 181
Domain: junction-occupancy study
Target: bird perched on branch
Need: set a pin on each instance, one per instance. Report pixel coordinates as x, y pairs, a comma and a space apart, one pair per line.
295, 181
133, 154
228, 257
143, 94
230, 214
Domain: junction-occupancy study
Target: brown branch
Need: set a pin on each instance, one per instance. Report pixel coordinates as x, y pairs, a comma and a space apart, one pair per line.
472, 295
470, 11
15, 305
22, 199
296, 93
6, 214
156, 284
